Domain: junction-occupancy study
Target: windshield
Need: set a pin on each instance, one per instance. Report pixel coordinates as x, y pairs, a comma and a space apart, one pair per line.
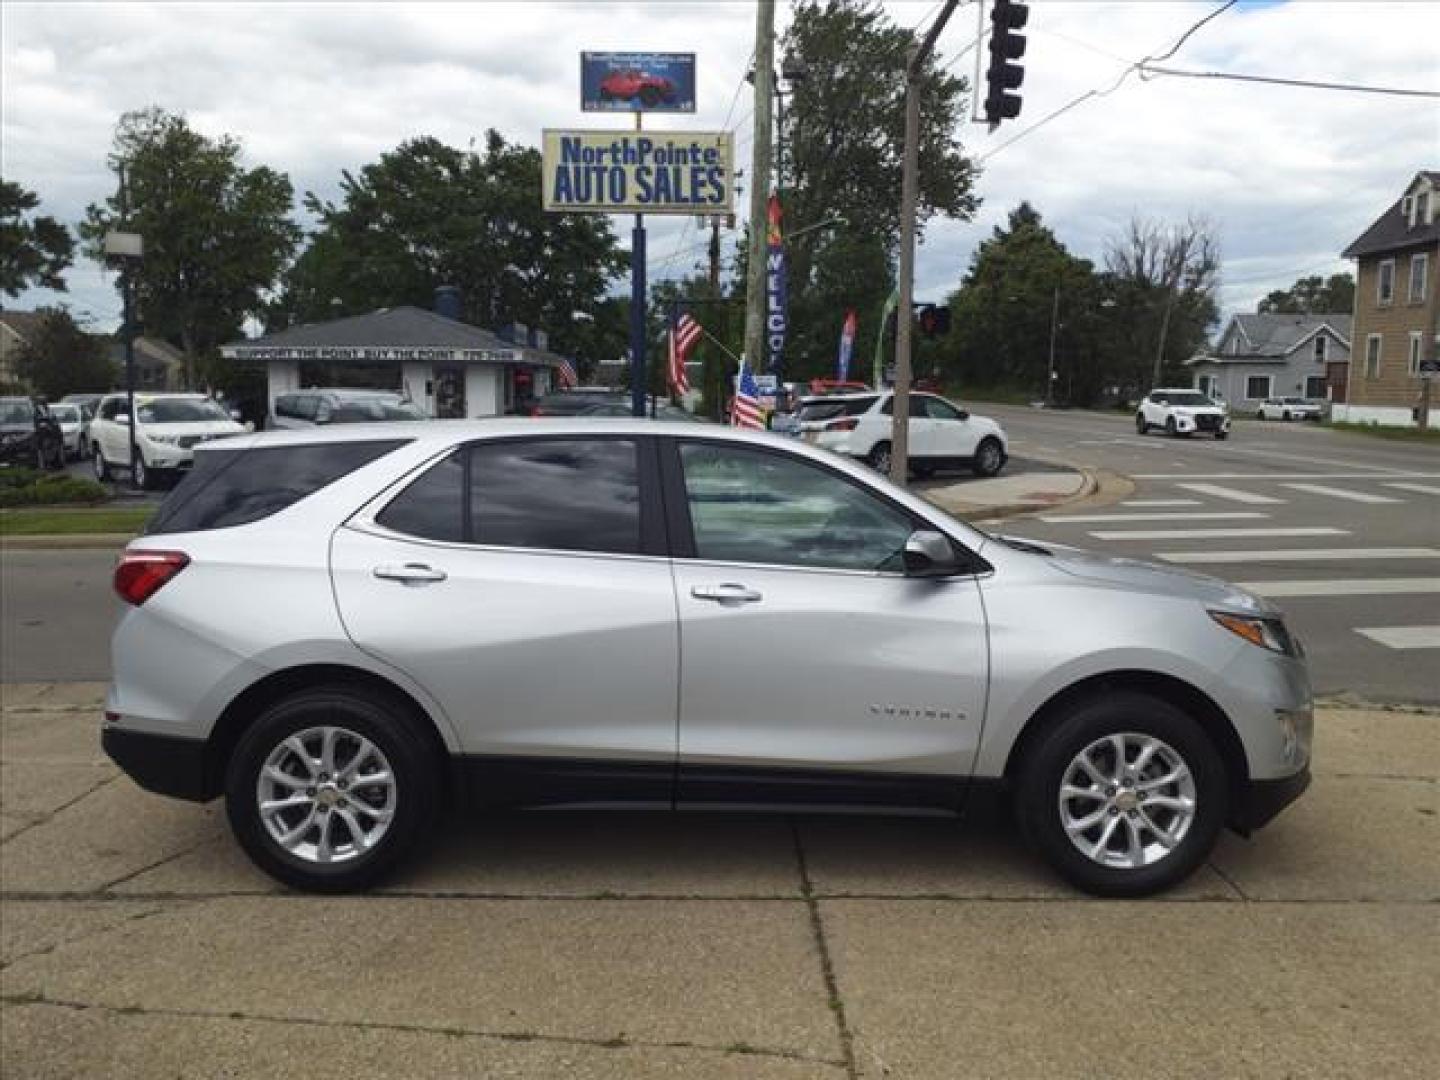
15, 411
180, 411
1196, 400
369, 410
834, 408
66, 414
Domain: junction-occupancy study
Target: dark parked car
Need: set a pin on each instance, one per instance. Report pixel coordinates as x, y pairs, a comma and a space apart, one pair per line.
29, 435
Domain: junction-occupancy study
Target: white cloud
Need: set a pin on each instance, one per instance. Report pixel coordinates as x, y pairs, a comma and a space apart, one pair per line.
1289, 176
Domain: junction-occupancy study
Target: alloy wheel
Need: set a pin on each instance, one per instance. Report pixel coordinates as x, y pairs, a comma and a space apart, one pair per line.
1127, 800
326, 795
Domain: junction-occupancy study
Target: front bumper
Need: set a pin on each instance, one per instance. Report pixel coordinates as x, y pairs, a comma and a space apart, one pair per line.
163, 764
1204, 422
1261, 800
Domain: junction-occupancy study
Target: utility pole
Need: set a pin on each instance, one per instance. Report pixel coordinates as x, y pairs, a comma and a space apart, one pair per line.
1050, 374
755, 299
909, 197
715, 258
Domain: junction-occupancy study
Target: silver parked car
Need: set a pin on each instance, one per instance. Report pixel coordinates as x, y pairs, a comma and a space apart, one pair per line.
342, 629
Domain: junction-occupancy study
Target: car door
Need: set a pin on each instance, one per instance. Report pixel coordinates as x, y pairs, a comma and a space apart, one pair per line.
921, 435
523, 582
952, 433
109, 433
811, 665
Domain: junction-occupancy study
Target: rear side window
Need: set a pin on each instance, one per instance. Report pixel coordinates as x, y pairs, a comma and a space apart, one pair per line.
559, 494
236, 487
835, 408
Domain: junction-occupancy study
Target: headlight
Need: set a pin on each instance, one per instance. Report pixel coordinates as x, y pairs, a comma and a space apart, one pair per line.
1267, 633
168, 440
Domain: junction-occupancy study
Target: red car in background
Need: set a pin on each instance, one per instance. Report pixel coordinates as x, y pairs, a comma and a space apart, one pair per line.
630, 83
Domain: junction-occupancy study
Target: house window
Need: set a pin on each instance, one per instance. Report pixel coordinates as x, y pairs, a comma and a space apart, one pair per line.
1414, 361
1207, 385
1422, 208
1372, 356
1315, 387
1320, 348
1419, 272
1257, 387
1385, 282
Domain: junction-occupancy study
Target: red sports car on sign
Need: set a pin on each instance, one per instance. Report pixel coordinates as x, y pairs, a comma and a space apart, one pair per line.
629, 84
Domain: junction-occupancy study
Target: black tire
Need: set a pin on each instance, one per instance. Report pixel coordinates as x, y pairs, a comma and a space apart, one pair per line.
143, 478
387, 722
1141, 427
1043, 771
1222, 435
879, 458
1170, 428
1285, 416
989, 457
102, 467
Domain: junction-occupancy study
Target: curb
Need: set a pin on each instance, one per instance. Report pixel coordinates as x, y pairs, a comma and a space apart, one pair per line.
1098, 487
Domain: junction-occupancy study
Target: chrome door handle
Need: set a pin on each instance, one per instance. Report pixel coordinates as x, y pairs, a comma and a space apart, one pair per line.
410, 574
729, 592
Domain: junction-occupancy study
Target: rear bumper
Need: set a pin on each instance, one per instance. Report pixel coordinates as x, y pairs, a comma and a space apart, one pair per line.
1262, 800
163, 764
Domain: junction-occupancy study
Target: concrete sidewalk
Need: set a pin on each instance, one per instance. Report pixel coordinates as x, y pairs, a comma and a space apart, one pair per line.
136, 940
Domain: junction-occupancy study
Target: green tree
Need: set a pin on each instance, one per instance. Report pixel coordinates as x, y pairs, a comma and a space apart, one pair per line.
427, 215
33, 250
842, 142
1312, 295
217, 234
61, 358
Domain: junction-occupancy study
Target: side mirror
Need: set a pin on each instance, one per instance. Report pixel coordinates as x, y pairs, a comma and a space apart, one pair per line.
964, 415
930, 554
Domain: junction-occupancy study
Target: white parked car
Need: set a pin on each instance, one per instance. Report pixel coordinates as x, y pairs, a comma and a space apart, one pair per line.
71, 419
1182, 412
168, 428
942, 435
1288, 408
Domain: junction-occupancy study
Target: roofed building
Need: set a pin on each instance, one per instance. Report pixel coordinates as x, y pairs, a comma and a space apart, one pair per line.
1276, 355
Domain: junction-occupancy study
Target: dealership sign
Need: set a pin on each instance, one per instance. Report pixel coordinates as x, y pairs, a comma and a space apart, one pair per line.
637, 82
619, 172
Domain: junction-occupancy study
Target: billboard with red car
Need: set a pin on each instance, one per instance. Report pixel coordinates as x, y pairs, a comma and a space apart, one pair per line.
637, 82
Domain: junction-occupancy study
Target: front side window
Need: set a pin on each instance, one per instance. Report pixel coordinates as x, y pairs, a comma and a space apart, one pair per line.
940, 409
756, 507
1385, 282
1419, 272
110, 408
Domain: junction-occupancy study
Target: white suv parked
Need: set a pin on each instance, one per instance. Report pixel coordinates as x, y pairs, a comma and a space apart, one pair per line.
168, 428
1182, 412
942, 435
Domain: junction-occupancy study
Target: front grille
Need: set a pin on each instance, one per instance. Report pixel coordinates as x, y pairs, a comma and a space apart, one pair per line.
1205, 422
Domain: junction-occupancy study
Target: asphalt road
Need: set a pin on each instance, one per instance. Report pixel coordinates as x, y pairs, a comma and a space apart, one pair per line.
1341, 530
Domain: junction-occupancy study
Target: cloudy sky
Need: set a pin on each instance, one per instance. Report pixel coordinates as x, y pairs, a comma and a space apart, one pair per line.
1289, 176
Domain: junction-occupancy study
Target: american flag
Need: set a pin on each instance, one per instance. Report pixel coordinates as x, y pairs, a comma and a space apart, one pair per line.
745, 413
567, 376
683, 336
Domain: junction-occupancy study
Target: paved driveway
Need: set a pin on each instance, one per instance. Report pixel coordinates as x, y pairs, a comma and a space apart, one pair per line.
138, 942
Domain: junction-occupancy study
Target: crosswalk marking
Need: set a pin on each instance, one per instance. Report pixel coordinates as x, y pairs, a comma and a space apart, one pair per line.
1403, 637
1423, 489
1341, 493
1091, 519
1344, 587
1161, 502
1299, 555
1216, 534
1233, 494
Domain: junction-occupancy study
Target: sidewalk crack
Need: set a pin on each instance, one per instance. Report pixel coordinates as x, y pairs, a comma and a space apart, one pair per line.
822, 946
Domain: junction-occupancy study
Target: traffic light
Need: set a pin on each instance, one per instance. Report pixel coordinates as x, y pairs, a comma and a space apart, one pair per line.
1007, 44
934, 321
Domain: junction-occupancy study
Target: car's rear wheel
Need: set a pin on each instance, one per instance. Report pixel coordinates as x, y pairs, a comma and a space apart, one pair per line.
141, 475
1124, 796
879, 458
331, 788
989, 458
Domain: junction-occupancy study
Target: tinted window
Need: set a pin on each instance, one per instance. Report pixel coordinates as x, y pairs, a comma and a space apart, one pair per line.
940, 409
570, 494
180, 411
110, 409
433, 506
751, 506
916, 406
1194, 400
835, 408
16, 411
235, 487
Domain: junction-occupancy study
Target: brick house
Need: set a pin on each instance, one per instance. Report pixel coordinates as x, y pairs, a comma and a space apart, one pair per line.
1397, 307
1275, 355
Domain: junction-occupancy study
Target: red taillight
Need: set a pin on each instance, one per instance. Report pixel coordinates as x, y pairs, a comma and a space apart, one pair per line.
850, 423
140, 574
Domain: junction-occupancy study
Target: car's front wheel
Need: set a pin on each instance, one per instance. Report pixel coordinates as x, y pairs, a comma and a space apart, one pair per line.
1124, 795
1141, 427
1170, 428
989, 458
102, 468
879, 458
330, 788
141, 475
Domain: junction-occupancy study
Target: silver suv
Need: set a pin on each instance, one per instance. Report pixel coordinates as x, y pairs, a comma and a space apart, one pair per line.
343, 629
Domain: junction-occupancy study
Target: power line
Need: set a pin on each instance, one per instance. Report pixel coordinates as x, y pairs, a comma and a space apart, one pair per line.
1150, 70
